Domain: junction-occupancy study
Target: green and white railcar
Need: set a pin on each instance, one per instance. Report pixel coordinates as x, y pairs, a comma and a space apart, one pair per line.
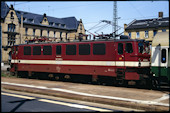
160, 58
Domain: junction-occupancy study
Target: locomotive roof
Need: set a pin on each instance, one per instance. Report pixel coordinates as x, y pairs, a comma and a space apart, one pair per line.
85, 41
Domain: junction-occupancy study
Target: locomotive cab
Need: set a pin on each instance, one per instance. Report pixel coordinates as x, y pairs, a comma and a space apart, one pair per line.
133, 60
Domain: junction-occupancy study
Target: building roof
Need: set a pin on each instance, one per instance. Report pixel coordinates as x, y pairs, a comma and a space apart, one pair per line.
68, 23
4, 9
148, 23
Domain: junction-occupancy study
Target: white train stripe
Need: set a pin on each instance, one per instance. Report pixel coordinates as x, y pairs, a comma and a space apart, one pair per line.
92, 63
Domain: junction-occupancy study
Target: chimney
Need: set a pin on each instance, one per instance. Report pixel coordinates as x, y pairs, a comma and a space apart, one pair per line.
160, 15
12, 7
125, 26
45, 15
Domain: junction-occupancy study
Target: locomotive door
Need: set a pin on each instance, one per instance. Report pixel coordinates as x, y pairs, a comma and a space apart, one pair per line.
120, 58
14, 53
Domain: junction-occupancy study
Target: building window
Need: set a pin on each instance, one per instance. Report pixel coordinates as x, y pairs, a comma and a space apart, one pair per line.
11, 40
24, 19
137, 34
11, 27
80, 26
163, 30
48, 32
154, 32
41, 33
31, 20
63, 25
51, 23
26, 31
60, 35
129, 33
54, 34
33, 32
146, 34
57, 24
66, 36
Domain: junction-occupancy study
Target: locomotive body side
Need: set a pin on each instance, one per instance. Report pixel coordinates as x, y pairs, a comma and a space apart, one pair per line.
119, 59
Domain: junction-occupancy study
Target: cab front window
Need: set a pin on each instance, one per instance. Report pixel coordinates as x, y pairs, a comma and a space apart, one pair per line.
143, 47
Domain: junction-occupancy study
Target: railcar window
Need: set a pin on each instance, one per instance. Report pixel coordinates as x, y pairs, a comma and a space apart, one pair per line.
120, 48
129, 48
37, 50
58, 50
27, 50
163, 56
99, 49
47, 50
70, 49
84, 49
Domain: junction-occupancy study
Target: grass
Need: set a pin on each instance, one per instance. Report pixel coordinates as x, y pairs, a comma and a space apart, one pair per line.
6, 74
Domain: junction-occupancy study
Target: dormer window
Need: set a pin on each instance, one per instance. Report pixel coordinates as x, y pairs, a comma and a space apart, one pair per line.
24, 19
63, 25
51, 23
58, 24
45, 19
31, 20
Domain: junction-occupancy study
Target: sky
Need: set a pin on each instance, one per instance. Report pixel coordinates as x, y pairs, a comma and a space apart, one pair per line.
93, 12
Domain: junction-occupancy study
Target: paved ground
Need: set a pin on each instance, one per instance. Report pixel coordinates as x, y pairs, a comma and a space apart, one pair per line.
149, 100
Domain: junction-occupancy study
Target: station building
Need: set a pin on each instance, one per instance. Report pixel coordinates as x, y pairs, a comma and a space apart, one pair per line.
19, 27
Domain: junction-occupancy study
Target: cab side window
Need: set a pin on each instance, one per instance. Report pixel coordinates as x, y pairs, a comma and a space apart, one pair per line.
129, 48
120, 48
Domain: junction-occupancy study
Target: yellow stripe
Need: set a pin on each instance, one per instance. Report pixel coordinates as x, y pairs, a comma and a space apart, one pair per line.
20, 96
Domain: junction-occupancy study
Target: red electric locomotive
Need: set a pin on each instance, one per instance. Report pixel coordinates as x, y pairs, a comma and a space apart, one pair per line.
115, 61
